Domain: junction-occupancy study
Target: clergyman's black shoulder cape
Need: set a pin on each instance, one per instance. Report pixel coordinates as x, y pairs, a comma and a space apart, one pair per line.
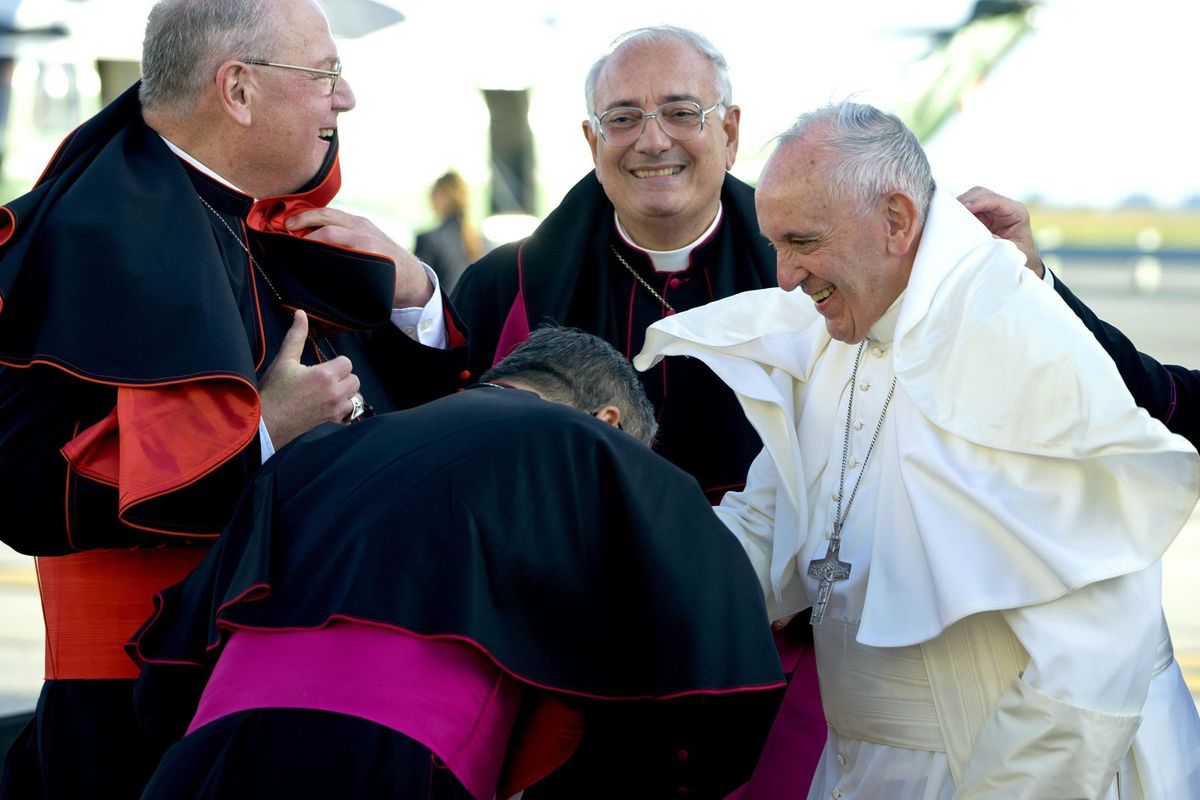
571, 555
111, 275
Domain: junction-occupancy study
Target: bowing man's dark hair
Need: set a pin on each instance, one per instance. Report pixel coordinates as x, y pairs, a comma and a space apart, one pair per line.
569, 366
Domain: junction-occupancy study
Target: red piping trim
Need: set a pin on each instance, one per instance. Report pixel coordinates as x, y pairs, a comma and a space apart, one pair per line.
7, 226
262, 337
726, 487
224, 625
67, 494
73, 372
70, 137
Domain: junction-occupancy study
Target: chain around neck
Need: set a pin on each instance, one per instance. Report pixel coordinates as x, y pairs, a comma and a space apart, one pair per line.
249, 255
839, 518
257, 268
640, 279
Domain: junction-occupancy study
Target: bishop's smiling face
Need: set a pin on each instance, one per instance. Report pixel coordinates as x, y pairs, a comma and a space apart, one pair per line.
665, 191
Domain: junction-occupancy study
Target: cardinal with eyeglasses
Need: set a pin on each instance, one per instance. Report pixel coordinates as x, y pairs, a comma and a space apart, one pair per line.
177, 300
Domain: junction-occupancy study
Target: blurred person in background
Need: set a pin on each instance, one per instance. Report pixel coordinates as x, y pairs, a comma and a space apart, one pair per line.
454, 243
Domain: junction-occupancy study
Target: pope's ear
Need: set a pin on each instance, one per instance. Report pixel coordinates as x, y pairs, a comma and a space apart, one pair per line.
903, 222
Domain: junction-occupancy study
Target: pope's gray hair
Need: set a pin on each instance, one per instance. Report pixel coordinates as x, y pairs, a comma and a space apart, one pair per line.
876, 154
653, 35
186, 40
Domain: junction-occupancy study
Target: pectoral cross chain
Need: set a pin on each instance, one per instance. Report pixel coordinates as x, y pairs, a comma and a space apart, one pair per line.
827, 570
830, 569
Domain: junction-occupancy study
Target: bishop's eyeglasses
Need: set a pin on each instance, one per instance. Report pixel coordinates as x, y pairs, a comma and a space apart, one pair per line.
331, 75
681, 120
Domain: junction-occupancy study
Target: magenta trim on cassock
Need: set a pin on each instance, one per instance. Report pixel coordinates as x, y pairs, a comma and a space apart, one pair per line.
1171, 408
516, 323
442, 693
789, 758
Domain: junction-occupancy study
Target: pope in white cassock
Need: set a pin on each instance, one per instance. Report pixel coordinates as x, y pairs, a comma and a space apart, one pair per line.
956, 481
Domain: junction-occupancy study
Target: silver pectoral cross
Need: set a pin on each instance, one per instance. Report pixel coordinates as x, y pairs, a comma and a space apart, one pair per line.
827, 570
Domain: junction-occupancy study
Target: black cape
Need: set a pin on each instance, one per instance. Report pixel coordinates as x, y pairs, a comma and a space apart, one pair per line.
133, 331
565, 273
116, 281
1169, 392
572, 556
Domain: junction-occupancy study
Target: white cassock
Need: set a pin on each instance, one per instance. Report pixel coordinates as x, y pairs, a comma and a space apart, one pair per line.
1000, 633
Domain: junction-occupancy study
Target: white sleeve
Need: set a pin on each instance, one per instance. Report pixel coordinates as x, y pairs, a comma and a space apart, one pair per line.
1064, 725
426, 325
750, 515
265, 446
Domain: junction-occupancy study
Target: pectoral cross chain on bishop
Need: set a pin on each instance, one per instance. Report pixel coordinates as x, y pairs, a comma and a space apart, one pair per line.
828, 570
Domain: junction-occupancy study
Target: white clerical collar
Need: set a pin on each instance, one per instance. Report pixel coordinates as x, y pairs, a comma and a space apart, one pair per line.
884, 329
201, 167
672, 260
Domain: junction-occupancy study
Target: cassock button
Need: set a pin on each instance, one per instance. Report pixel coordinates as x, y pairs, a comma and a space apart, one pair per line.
674, 283
464, 375
682, 755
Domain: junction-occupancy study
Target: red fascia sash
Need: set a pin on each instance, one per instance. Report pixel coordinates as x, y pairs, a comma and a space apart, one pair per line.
93, 602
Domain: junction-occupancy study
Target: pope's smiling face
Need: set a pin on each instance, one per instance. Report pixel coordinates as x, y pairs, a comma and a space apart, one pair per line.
666, 192
833, 251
